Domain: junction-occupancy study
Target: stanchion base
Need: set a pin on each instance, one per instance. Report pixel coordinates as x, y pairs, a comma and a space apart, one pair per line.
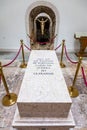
73, 91
62, 65
9, 100
23, 65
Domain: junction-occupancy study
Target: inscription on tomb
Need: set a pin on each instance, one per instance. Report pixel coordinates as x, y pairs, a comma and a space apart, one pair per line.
43, 66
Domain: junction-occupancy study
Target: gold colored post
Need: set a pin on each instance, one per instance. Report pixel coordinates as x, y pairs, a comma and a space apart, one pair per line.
10, 98
72, 90
4, 81
23, 64
61, 60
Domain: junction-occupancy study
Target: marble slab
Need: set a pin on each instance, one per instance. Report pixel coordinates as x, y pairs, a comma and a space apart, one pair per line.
42, 123
80, 34
43, 91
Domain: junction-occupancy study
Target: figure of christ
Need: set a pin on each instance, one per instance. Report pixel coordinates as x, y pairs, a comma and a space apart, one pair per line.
42, 24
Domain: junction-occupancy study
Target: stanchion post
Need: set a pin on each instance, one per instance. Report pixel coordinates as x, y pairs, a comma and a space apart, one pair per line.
72, 90
61, 60
23, 64
10, 98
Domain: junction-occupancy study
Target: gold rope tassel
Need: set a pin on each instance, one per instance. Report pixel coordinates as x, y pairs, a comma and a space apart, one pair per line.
23, 64
72, 90
61, 60
10, 98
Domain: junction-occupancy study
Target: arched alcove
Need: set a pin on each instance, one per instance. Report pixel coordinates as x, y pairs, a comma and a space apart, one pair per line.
42, 10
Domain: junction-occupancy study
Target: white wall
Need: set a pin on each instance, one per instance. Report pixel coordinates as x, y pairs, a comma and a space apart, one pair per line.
72, 14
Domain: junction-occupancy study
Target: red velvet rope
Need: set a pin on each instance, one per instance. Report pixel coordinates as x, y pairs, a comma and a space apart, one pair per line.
51, 40
42, 43
27, 47
57, 47
14, 58
31, 38
74, 62
84, 77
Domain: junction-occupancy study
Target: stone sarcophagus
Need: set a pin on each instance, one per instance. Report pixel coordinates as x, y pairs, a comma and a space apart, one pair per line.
43, 101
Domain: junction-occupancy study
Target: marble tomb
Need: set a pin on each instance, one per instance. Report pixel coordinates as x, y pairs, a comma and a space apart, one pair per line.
43, 101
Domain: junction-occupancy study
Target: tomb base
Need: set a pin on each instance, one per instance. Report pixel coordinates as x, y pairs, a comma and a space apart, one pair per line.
42, 123
43, 102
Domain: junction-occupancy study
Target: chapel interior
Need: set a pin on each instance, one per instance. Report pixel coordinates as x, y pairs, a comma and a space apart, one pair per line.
26, 28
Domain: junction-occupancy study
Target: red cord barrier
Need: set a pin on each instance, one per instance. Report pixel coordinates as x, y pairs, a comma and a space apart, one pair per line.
31, 38
57, 47
74, 62
84, 77
43, 43
27, 47
51, 40
14, 58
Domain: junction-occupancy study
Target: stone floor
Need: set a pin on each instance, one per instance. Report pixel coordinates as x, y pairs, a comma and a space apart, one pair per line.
11, 55
81, 101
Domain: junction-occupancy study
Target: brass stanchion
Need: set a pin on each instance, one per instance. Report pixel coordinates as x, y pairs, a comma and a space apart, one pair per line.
23, 64
10, 98
61, 62
72, 90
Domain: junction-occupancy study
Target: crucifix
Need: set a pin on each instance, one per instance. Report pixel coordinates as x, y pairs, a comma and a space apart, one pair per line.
42, 24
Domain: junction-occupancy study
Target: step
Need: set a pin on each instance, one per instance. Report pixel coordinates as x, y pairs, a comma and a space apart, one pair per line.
42, 123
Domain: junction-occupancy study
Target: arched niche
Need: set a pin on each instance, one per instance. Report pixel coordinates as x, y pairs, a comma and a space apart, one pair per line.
39, 10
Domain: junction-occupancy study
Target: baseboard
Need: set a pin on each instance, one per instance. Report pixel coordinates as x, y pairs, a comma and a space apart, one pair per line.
26, 50
68, 50
12, 50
